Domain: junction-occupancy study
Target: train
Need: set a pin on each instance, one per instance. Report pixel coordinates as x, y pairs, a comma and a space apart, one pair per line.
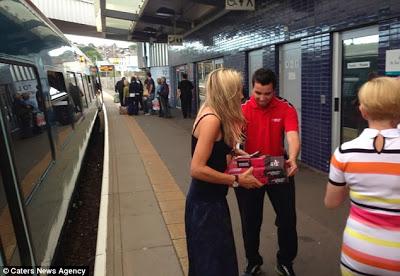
50, 97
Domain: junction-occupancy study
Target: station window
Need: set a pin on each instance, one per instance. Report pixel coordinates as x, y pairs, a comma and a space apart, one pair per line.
203, 69
62, 108
22, 106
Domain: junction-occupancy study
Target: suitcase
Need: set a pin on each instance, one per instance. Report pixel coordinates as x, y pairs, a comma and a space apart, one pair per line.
133, 109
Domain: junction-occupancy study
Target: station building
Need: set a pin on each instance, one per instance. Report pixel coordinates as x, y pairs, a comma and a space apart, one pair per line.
322, 52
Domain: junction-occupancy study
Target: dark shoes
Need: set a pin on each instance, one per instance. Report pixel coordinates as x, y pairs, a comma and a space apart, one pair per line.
284, 270
252, 269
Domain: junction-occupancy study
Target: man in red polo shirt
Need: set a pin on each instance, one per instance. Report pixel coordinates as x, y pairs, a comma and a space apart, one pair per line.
269, 118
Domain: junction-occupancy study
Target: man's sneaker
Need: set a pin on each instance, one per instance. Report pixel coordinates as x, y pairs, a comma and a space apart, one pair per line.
252, 269
285, 270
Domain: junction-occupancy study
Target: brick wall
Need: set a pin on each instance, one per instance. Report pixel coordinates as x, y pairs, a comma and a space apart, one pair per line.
316, 80
238, 62
276, 22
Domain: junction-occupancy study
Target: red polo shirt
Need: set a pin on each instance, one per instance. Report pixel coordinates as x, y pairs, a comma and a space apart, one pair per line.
266, 126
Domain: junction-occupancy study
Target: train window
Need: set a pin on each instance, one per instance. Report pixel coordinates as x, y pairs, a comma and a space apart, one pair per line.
90, 85
76, 94
82, 88
8, 239
87, 88
62, 108
22, 105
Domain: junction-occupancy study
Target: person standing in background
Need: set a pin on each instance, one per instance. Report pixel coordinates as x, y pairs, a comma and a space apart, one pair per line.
119, 88
164, 93
185, 88
150, 87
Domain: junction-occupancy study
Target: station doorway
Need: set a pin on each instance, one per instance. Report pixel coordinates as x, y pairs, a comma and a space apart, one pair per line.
203, 69
290, 76
255, 62
356, 54
178, 77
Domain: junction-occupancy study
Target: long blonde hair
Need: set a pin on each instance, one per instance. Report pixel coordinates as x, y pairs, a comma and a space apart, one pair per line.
223, 95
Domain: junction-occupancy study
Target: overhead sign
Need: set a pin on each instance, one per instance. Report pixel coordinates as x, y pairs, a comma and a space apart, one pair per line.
240, 5
175, 40
392, 62
106, 68
26, 86
358, 65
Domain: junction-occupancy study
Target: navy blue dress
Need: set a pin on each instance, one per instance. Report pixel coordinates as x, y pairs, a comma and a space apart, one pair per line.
210, 242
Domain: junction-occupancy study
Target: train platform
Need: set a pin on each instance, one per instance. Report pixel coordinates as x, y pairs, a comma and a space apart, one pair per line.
141, 225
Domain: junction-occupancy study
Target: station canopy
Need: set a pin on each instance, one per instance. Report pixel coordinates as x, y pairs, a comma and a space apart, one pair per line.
154, 20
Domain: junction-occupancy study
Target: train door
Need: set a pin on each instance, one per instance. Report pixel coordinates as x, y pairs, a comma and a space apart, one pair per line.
290, 75
355, 60
178, 77
15, 244
255, 62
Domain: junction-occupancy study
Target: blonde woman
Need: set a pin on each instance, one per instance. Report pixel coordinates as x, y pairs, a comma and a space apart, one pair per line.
125, 90
367, 169
216, 130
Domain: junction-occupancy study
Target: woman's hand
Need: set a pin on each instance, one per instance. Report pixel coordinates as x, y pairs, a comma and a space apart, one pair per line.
248, 181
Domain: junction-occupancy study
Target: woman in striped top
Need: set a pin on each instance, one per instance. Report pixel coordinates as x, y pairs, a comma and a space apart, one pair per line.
367, 169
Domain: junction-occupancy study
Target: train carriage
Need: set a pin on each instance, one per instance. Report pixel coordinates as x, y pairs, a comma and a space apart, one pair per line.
49, 101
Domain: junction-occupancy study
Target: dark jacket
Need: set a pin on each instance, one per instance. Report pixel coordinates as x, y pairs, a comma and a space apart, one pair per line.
134, 87
164, 90
119, 86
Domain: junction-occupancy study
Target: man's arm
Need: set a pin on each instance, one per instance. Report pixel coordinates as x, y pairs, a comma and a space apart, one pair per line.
293, 140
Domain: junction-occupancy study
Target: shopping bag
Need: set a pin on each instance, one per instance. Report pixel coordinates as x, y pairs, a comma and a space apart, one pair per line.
116, 98
40, 120
155, 104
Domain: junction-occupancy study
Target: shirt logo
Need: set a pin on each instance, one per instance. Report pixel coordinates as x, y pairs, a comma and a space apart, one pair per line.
276, 120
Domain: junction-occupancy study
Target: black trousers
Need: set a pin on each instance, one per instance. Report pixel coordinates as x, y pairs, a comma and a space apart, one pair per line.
121, 98
186, 105
282, 197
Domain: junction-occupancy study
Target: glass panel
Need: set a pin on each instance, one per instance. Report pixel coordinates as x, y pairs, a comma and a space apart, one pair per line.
360, 62
7, 234
118, 23
61, 114
203, 69
22, 105
76, 94
82, 89
90, 85
124, 5
87, 90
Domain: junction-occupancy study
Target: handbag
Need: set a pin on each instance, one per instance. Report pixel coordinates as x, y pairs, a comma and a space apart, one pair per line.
40, 120
155, 104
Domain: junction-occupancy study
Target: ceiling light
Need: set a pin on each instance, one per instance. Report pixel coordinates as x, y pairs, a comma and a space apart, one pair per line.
167, 12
